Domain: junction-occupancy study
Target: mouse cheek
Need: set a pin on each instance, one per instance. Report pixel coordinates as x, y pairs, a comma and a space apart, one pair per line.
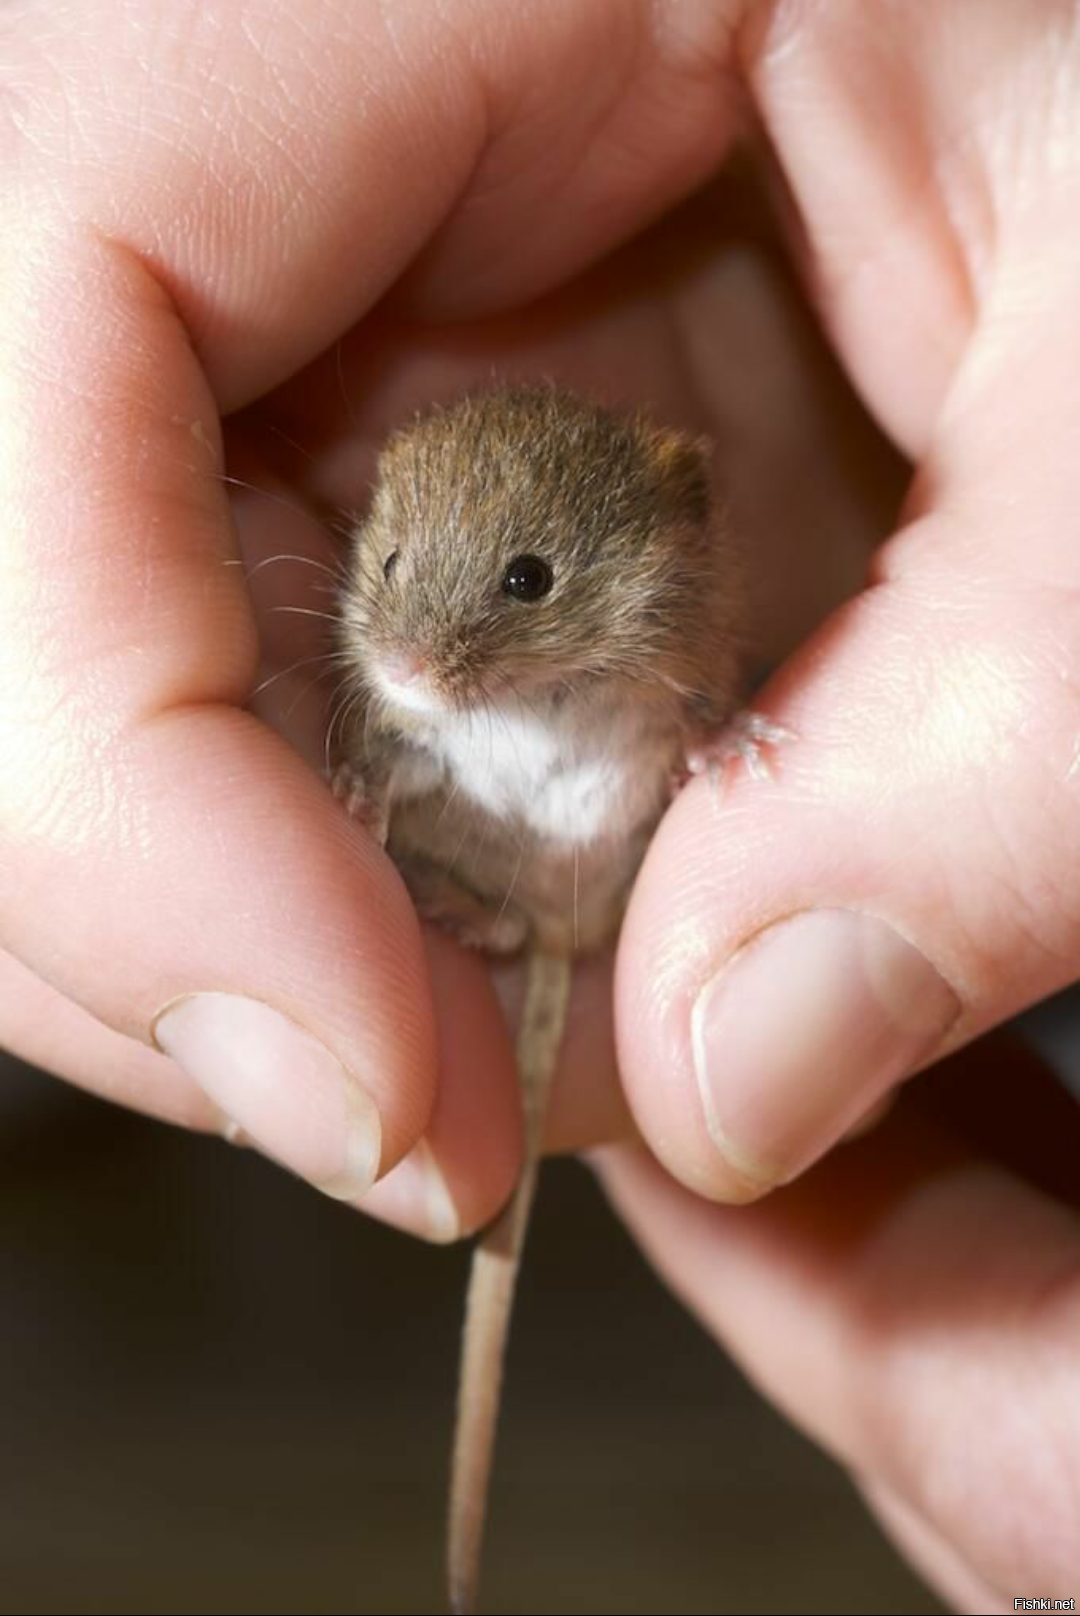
514, 657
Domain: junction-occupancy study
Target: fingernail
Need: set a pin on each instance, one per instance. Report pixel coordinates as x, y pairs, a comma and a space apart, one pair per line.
279, 1085
803, 1030
415, 1196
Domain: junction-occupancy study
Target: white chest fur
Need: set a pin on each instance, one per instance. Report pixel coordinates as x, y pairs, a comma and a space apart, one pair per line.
571, 776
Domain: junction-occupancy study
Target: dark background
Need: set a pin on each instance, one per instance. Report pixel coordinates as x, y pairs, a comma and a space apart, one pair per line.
222, 1392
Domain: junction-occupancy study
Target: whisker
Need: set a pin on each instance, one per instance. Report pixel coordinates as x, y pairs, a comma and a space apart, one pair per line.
284, 436
338, 705
340, 364
453, 793
341, 720
479, 851
267, 493
283, 673
461, 843
514, 878
307, 611
369, 719
306, 561
298, 698
522, 697
577, 874
342, 524
491, 729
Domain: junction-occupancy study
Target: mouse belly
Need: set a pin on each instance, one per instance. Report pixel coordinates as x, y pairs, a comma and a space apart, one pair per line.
571, 776
561, 849
570, 897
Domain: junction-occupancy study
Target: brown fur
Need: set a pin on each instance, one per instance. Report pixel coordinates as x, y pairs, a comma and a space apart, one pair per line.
646, 589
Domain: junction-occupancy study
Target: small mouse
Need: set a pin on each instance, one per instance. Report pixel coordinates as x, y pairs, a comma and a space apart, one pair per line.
541, 618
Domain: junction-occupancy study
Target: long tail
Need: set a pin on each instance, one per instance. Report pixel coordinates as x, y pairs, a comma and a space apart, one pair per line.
492, 1282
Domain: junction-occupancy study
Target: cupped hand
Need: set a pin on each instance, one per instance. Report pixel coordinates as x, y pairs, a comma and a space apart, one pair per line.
311, 223
797, 949
258, 215
305, 222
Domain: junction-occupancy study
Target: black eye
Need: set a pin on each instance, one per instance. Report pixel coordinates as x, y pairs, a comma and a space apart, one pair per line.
389, 564
527, 578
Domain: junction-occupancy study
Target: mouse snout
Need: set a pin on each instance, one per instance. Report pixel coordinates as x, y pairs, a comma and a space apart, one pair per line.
401, 667
404, 677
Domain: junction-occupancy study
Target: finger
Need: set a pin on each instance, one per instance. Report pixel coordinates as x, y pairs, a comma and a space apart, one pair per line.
458, 1176
450, 1183
797, 946
42, 1027
279, 214
636, 105
933, 1557
900, 182
136, 402
918, 835
167, 862
914, 1308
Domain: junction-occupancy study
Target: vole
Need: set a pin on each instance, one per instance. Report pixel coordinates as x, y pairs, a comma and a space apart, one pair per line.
541, 614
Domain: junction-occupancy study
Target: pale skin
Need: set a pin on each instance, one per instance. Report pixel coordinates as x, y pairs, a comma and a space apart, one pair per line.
200, 214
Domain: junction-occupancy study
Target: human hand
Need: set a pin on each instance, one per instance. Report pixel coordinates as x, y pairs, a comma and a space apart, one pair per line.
178, 255
791, 955
911, 1302
203, 214
203, 210
796, 951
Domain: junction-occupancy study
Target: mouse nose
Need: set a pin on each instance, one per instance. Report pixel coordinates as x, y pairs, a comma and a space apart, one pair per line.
402, 667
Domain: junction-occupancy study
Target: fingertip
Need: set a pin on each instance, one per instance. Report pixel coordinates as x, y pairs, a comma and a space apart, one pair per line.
415, 1197
772, 1046
278, 1084
780, 970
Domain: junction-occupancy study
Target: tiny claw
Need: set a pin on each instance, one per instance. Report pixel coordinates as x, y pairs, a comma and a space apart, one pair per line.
351, 790
745, 737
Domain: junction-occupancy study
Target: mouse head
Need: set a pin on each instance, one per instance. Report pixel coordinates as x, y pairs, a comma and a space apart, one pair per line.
527, 541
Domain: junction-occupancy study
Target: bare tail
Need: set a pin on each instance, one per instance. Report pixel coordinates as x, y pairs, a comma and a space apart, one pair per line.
492, 1281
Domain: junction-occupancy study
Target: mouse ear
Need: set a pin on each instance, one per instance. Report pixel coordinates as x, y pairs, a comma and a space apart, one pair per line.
681, 465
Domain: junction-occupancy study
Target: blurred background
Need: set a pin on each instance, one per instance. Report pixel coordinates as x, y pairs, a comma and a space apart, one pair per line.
221, 1392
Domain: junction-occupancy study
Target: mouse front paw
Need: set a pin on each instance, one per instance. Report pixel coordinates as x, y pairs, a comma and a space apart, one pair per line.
360, 802
746, 736
500, 934
466, 917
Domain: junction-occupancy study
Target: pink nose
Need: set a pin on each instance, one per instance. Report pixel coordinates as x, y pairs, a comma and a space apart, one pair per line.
402, 667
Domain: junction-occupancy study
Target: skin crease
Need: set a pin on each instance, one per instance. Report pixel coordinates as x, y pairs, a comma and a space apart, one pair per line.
162, 265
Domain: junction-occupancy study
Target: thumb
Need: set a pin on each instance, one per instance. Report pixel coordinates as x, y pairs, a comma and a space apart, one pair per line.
795, 947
